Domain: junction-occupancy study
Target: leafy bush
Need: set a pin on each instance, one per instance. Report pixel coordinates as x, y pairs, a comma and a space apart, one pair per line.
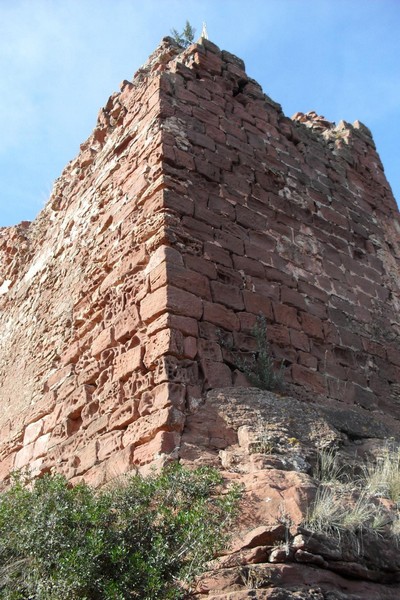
185, 38
146, 538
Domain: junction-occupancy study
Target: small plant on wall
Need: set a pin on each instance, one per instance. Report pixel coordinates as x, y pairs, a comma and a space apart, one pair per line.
185, 38
259, 368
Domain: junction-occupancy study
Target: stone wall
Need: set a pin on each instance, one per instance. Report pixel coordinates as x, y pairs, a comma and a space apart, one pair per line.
193, 207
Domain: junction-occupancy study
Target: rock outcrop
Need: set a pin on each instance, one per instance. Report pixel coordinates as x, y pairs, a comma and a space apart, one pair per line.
194, 207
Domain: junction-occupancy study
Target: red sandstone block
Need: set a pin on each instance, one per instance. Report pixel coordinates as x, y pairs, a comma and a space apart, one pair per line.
188, 280
293, 298
183, 159
23, 457
129, 264
249, 266
109, 443
209, 63
144, 428
330, 333
355, 394
216, 374
170, 298
308, 360
163, 443
228, 295
221, 316
229, 276
178, 202
317, 309
126, 323
388, 371
90, 372
206, 267
167, 341
299, 340
278, 335
312, 380
393, 355
340, 318
349, 339
209, 331
256, 303
209, 350
229, 242
285, 355
124, 414
259, 251
41, 408
201, 92
57, 378
238, 146
215, 253
334, 217
362, 313
359, 374
33, 431
171, 369
375, 348
380, 387
210, 171
104, 340
245, 341
181, 93
168, 394
164, 254
41, 446
219, 159
127, 362
6, 465
332, 367
247, 321
311, 325
190, 347
286, 315
87, 457
199, 229
217, 135
71, 354
199, 139
74, 403
241, 186
97, 425
265, 288
344, 356
274, 274
187, 325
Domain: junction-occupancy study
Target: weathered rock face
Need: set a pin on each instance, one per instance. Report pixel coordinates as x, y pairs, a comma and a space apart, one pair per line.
269, 445
194, 207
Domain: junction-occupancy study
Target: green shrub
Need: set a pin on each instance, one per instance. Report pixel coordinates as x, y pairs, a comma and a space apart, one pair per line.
144, 539
260, 369
185, 38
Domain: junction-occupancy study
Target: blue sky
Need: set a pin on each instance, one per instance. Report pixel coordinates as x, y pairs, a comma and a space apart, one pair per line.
61, 59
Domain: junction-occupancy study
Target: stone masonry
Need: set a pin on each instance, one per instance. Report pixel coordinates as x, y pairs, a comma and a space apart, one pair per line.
193, 207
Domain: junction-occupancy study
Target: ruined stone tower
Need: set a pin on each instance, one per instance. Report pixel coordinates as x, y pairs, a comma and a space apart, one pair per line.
194, 206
